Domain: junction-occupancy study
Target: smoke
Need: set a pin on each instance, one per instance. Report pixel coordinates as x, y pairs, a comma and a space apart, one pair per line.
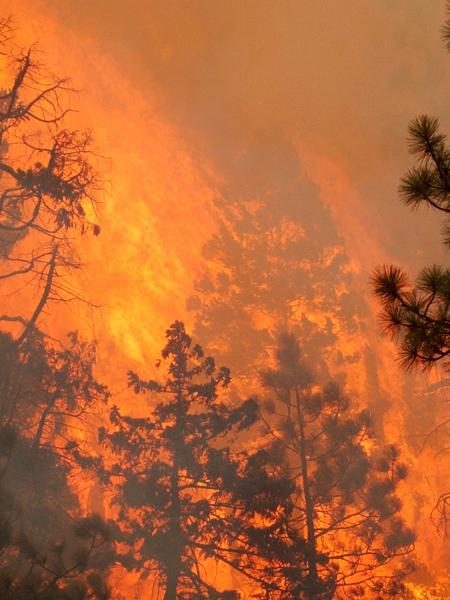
246, 83
341, 78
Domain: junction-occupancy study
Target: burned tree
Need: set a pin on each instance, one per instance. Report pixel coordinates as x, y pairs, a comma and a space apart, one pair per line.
49, 547
47, 179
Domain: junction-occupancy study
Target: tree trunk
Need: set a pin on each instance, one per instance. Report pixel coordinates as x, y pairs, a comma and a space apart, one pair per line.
173, 567
172, 585
45, 413
313, 577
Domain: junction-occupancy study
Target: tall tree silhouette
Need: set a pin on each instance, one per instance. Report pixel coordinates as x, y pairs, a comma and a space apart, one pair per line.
185, 499
49, 547
276, 261
345, 505
47, 179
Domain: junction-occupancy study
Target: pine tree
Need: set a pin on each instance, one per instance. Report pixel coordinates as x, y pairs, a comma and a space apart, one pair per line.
276, 261
187, 502
346, 519
417, 315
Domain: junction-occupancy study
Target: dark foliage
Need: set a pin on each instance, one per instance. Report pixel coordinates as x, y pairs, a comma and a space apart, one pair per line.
185, 499
48, 549
346, 512
46, 389
418, 316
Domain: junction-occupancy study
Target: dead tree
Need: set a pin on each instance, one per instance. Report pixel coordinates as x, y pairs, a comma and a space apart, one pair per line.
47, 180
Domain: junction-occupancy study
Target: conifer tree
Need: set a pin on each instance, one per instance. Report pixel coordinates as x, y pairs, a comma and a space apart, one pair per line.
270, 266
189, 504
417, 315
345, 527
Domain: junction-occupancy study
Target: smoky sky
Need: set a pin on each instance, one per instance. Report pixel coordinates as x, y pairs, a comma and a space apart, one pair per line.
246, 79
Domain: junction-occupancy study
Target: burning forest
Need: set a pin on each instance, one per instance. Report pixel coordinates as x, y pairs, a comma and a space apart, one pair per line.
224, 334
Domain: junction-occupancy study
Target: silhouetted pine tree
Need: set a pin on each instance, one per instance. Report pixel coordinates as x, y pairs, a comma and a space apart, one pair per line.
275, 262
345, 507
188, 503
